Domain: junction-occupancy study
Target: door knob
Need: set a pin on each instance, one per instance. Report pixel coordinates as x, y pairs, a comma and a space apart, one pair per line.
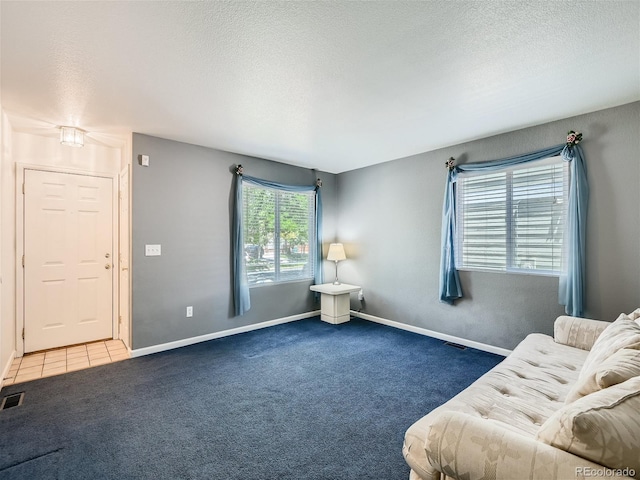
107, 255
107, 266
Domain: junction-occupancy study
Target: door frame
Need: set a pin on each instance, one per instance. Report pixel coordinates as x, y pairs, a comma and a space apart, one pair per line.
127, 170
20, 174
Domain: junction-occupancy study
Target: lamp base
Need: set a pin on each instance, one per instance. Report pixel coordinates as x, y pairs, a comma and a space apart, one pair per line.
336, 282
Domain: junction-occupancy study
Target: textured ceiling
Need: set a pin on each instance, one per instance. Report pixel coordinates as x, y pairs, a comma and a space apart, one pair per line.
328, 85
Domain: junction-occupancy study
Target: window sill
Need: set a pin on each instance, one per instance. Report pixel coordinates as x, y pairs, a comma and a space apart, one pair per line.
281, 282
541, 273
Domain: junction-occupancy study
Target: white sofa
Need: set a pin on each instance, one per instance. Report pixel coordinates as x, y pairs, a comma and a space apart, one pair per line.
539, 414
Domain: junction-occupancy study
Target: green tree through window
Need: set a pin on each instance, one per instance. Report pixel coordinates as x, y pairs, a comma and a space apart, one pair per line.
279, 234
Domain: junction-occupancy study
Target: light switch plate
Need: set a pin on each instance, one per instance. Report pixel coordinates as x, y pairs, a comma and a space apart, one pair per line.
152, 250
144, 160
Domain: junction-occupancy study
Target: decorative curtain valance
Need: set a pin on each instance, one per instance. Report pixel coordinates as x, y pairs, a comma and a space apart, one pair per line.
241, 296
571, 285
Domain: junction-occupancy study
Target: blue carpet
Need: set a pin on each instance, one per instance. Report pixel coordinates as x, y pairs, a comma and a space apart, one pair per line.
304, 400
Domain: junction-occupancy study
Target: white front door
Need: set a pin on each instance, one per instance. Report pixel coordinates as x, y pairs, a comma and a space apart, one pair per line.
68, 259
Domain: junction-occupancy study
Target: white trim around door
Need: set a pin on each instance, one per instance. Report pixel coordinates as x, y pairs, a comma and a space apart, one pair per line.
20, 307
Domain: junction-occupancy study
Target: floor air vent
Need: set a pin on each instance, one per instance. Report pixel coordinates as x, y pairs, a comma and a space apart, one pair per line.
455, 345
13, 400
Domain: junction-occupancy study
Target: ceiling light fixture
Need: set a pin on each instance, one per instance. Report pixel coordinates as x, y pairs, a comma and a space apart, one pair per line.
71, 136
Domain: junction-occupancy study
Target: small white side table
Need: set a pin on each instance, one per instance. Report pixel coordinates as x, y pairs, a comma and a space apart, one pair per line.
334, 301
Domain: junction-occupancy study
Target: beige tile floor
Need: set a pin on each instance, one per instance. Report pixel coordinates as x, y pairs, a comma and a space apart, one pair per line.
62, 360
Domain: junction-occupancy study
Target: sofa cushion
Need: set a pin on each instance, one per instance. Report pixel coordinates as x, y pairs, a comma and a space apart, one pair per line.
623, 333
577, 332
618, 368
603, 427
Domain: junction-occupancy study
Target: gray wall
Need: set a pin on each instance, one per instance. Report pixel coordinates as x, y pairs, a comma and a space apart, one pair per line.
388, 216
182, 201
389, 220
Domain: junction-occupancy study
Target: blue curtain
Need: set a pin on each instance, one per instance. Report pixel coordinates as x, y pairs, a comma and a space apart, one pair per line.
572, 280
317, 264
571, 286
242, 299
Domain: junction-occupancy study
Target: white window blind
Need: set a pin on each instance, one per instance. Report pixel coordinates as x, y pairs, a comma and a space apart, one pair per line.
279, 234
513, 219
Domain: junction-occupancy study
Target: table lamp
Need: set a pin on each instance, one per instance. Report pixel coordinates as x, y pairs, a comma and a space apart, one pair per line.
336, 253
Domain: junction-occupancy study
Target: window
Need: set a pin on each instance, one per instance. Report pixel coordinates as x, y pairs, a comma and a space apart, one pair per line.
279, 234
513, 219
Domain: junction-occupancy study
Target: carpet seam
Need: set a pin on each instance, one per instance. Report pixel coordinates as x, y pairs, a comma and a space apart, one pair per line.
3, 469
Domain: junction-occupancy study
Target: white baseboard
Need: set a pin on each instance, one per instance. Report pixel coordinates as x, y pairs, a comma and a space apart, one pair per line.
5, 370
430, 333
139, 352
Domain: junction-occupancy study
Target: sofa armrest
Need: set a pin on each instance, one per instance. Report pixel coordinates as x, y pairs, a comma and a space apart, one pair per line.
577, 332
466, 447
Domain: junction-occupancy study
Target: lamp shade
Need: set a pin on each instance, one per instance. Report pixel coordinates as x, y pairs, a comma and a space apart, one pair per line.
336, 252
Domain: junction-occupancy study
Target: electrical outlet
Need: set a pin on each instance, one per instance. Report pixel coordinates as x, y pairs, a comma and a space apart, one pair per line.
360, 295
189, 311
152, 250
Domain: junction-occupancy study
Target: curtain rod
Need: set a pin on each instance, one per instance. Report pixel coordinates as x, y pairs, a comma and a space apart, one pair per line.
240, 171
573, 138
